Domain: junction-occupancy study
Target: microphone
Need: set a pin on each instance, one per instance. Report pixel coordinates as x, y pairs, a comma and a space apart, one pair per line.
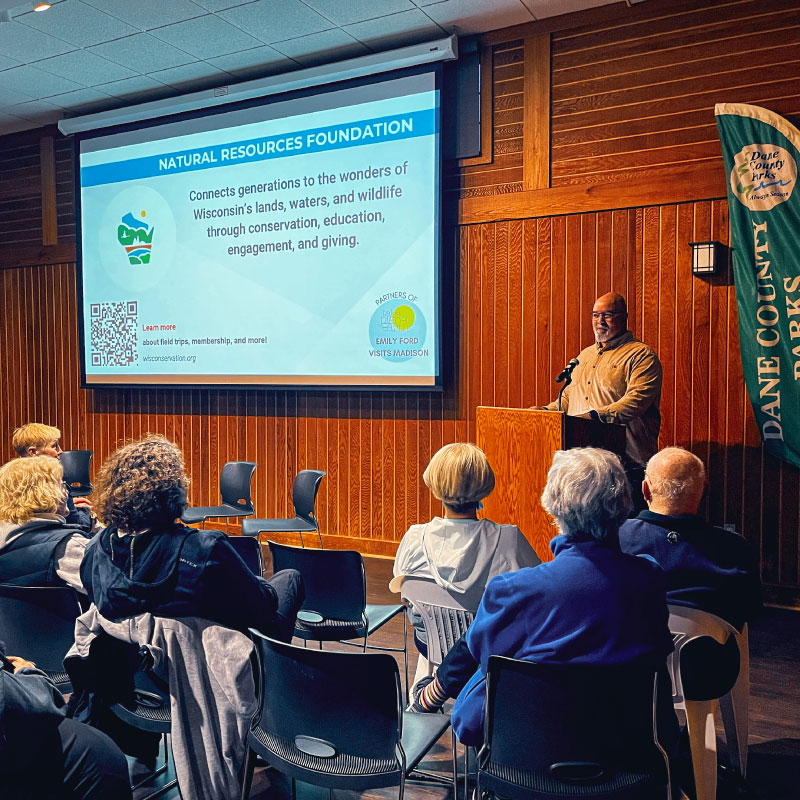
567, 371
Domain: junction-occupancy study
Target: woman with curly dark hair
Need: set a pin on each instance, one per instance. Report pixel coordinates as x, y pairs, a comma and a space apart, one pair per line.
146, 561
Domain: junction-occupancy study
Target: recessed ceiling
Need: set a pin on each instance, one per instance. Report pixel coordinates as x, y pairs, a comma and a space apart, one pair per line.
82, 56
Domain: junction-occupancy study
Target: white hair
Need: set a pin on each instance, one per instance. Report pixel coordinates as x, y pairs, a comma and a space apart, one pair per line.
587, 491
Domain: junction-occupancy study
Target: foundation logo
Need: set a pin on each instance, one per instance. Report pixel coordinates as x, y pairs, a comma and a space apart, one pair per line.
397, 330
136, 236
763, 176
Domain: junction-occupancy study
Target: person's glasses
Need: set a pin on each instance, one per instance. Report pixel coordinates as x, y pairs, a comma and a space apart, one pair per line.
606, 315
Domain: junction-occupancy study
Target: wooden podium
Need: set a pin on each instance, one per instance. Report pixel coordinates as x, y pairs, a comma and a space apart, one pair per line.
519, 443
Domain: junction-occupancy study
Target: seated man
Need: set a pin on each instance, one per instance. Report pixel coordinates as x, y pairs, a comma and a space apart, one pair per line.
707, 568
37, 546
36, 439
591, 605
45, 756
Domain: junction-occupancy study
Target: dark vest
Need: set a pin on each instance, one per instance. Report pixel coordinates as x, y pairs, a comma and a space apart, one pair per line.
30, 559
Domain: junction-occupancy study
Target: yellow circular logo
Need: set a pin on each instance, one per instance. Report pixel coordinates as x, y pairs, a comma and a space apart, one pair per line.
403, 317
763, 176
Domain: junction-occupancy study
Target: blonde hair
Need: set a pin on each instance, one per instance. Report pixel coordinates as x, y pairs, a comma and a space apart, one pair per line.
30, 486
33, 434
141, 485
460, 476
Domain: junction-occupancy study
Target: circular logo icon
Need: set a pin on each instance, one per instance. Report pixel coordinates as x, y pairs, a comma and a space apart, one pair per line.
763, 176
397, 330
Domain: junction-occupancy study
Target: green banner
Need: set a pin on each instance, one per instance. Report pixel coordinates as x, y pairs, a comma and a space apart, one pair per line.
761, 151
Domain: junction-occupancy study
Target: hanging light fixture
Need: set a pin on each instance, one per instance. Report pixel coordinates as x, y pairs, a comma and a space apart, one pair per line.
41, 6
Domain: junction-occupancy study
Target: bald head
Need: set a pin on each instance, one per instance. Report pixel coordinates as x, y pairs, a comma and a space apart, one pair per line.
609, 317
674, 481
611, 301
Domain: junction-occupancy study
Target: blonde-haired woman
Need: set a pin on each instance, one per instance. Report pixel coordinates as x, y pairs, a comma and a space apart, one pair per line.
458, 551
37, 547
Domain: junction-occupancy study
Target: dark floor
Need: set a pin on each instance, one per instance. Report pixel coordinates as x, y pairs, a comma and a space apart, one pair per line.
774, 755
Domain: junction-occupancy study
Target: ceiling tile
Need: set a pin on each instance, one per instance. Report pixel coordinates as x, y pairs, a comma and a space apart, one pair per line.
24, 44
145, 14
35, 83
5, 63
258, 62
396, 30
38, 111
85, 68
221, 5
552, 8
139, 89
78, 98
206, 37
346, 12
76, 23
276, 20
143, 53
192, 76
318, 48
477, 16
11, 124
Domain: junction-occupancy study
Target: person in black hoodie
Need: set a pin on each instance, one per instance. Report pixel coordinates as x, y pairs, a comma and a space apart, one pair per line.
145, 560
45, 756
37, 546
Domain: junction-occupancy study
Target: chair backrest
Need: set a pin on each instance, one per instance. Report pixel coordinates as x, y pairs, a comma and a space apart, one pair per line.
706, 654
75, 464
249, 550
444, 617
234, 484
304, 493
38, 623
350, 702
540, 715
334, 580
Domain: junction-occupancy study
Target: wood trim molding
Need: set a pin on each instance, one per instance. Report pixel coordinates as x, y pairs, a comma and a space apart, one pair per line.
12, 257
47, 168
486, 111
536, 120
678, 184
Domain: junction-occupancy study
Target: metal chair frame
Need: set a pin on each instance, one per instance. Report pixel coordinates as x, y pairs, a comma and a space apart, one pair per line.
236, 502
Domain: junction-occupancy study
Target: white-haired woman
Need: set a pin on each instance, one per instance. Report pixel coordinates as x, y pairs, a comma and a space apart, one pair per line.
458, 551
592, 604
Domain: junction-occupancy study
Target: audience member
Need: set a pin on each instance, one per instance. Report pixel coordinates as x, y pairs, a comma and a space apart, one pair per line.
37, 439
708, 568
146, 561
44, 755
460, 552
592, 604
37, 546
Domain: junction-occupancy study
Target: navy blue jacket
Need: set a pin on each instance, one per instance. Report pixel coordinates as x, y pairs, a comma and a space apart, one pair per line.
175, 571
707, 568
29, 559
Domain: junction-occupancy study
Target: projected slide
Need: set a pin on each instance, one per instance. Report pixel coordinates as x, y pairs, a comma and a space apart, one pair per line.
293, 243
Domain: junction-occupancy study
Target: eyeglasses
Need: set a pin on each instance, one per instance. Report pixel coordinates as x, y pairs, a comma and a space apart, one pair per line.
607, 315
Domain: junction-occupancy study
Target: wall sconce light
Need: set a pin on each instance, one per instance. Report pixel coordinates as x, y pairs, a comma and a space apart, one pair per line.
708, 258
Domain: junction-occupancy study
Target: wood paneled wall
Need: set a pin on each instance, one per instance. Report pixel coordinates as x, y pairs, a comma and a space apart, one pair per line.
636, 174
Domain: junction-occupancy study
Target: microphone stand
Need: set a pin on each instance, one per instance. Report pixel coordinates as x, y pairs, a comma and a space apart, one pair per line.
567, 382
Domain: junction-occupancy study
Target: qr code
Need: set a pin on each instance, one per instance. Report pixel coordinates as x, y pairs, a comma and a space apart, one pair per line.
113, 333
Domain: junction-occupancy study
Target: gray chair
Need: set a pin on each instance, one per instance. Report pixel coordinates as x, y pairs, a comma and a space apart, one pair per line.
336, 720
234, 487
304, 498
75, 464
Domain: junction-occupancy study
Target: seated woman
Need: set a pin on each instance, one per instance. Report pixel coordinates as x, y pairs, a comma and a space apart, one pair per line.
37, 547
460, 552
592, 604
145, 560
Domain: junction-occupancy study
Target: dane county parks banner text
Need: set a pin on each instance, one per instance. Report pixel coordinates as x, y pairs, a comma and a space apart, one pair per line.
761, 151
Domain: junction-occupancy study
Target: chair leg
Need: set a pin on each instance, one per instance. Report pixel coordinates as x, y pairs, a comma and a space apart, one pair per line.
405, 656
247, 773
319, 536
703, 743
735, 710
455, 763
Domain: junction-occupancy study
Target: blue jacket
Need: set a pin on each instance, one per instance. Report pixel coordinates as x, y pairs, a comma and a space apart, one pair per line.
29, 558
175, 572
591, 605
707, 568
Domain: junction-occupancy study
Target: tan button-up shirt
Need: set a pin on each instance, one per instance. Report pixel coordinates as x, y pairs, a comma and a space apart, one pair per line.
622, 383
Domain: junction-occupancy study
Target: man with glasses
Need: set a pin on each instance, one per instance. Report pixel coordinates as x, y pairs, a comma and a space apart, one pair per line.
618, 379
37, 439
